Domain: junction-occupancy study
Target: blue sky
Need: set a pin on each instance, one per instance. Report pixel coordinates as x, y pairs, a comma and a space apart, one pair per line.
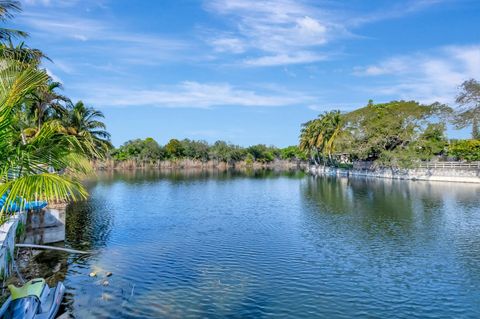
250, 71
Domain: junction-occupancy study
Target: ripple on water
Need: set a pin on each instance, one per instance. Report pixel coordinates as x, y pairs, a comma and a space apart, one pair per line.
235, 246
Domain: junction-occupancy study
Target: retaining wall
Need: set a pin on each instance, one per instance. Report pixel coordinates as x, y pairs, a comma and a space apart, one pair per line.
8, 234
467, 175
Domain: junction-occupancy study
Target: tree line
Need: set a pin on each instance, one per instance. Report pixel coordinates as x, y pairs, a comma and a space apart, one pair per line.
149, 150
46, 140
397, 133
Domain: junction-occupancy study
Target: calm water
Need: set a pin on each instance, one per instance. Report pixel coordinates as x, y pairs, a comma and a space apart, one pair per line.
267, 244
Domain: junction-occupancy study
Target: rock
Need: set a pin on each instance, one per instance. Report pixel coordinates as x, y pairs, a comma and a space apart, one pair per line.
93, 274
57, 268
105, 283
65, 315
108, 274
107, 297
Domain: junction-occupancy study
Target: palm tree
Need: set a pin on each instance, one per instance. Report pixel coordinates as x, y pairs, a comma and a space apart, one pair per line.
31, 168
84, 123
47, 104
318, 136
7, 8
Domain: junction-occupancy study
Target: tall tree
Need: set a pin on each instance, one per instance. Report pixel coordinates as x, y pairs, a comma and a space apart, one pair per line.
469, 110
85, 123
47, 104
318, 136
389, 132
30, 168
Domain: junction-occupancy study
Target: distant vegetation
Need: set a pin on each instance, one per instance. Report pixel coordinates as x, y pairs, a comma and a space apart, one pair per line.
398, 133
148, 150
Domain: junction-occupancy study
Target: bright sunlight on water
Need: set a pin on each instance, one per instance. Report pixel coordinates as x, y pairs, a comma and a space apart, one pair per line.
268, 244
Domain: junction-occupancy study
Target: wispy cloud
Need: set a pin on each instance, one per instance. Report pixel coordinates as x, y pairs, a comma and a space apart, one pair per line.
191, 94
428, 77
283, 59
283, 32
104, 39
275, 29
392, 11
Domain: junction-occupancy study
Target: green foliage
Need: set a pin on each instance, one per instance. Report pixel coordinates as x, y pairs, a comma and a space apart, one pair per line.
197, 150
431, 142
143, 150
225, 152
318, 136
249, 159
175, 149
292, 153
7, 10
467, 150
149, 150
28, 165
262, 153
41, 154
85, 124
397, 133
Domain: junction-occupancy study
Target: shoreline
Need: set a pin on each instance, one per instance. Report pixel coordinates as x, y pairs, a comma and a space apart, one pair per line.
452, 175
196, 164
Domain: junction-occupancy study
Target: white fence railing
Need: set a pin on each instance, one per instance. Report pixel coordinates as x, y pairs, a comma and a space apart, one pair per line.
450, 165
425, 165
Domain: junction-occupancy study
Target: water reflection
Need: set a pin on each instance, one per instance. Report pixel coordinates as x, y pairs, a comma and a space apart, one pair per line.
427, 231
191, 174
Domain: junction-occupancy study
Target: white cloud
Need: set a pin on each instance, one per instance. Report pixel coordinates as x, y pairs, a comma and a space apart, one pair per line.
275, 28
427, 77
63, 26
228, 44
53, 75
60, 3
282, 59
102, 38
393, 65
192, 95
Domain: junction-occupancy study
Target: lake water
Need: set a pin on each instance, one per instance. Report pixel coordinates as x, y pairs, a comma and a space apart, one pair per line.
266, 244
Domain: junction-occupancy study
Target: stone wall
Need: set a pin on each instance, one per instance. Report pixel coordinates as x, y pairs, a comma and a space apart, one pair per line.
463, 175
8, 234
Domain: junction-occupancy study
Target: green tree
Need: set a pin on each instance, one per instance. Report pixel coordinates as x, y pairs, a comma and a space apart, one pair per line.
468, 150
31, 167
387, 131
174, 149
261, 153
225, 152
197, 150
139, 150
431, 142
468, 113
292, 153
47, 104
318, 136
85, 123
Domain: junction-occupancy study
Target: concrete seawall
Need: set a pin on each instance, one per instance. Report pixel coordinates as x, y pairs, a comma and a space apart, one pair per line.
43, 227
468, 175
8, 236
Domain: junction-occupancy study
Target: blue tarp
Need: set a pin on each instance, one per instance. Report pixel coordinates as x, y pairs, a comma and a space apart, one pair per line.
16, 205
